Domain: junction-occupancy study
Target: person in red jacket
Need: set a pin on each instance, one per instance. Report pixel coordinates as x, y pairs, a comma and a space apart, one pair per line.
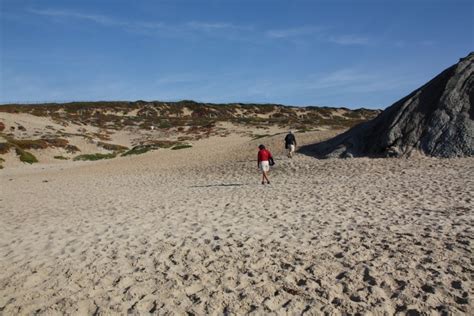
263, 161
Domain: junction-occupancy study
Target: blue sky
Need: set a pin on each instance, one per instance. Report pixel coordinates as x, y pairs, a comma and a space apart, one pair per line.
329, 53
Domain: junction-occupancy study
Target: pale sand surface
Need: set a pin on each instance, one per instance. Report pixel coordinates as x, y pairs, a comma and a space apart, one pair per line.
194, 231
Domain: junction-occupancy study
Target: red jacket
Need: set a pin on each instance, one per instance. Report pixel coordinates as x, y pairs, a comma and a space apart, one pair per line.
264, 155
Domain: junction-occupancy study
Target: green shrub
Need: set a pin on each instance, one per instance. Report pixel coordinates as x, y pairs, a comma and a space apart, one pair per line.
138, 150
163, 143
25, 156
93, 157
112, 147
61, 157
181, 146
36, 143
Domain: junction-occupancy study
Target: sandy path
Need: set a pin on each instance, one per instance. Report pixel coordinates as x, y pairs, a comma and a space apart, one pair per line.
161, 236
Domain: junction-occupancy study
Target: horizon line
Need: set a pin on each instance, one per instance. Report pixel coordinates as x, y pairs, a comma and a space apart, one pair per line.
183, 100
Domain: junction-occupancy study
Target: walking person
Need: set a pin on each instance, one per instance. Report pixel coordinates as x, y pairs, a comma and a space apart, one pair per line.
263, 160
290, 144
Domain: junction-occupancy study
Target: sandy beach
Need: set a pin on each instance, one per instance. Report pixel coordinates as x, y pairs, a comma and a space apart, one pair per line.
135, 137
194, 232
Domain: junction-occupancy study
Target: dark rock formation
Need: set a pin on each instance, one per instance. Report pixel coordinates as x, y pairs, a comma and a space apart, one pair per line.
436, 120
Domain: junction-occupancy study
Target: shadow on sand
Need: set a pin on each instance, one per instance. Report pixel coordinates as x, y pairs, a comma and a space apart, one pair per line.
218, 185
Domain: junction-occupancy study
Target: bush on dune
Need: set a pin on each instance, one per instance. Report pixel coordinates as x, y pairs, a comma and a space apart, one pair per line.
93, 157
30, 144
25, 156
137, 150
57, 142
112, 147
181, 146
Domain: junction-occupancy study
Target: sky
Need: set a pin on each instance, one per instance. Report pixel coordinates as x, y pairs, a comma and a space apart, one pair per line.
353, 53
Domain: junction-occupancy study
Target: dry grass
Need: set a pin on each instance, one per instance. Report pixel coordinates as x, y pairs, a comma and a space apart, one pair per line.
165, 115
57, 142
29, 143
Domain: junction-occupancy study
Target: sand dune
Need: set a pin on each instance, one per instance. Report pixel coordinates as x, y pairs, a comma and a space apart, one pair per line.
193, 231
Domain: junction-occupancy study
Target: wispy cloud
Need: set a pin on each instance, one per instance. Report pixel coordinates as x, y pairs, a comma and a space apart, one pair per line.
343, 77
318, 32
293, 32
100, 19
216, 26
404, 43
353, 80
147, 27
349, 40
220, 29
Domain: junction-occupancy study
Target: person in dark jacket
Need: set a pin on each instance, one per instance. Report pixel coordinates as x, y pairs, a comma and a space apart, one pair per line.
290, 144
263, 160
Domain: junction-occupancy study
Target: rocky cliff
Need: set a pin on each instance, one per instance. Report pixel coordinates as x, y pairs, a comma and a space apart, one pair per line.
437, 120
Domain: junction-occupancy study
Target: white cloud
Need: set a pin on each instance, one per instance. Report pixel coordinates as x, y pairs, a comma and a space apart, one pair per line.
293, 32
344, 77
349, 40
150, 25
142, 25
216, 26
222, 29
352, 80
319, 32
100, 19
